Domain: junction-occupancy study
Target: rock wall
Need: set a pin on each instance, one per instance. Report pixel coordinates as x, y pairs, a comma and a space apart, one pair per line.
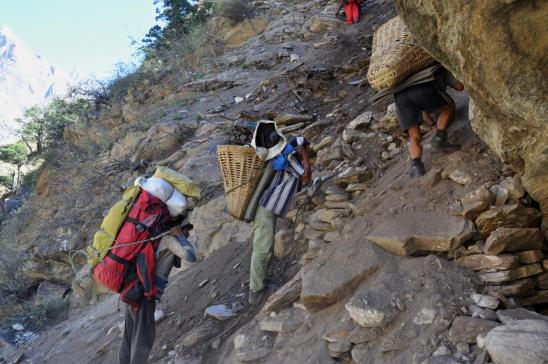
498, 49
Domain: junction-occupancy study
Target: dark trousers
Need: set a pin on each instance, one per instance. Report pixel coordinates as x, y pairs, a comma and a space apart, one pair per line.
139, 334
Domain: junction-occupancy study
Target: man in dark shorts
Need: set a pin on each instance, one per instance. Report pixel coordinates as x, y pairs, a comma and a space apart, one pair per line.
414, 105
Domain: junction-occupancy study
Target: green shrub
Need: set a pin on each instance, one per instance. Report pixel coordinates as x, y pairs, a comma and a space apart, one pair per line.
237, 10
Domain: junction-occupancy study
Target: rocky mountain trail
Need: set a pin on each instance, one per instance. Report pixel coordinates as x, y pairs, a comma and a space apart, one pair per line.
372, 266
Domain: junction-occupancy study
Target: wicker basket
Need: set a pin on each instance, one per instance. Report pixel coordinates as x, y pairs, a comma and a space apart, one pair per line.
242, 169
396, 55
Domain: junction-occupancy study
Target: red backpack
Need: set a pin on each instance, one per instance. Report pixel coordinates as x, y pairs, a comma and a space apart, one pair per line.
130, 253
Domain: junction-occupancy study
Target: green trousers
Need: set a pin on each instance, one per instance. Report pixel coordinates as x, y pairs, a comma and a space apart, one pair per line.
264, 227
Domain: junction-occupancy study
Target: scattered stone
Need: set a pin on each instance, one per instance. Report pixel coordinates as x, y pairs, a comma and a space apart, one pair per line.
442, 350
356, 187
463, 348
291, 128
481, 194
220, 312
325, 142
313, 234
512, 275
328, 215
517, 314
203, 283
336, 272
428, 231
500, 193
361, 122
159, 315
48, 291
522, 287
461, 177
482, 357
361, 335
286, 321
283, 243
339, 347
473, 209
485, 301
349, 135
481, 261
521, 341
332, 236
513, 186
18, 327
482, 313
365, 316
339, 197
251, 349
353, 175
326, 156
536, 299
542, 281
285, 296
545, 264
508, 216
425, 317
290, 119
238, 99
513, 240
315, 129
466, 329
200, 334
480, 341
530, 256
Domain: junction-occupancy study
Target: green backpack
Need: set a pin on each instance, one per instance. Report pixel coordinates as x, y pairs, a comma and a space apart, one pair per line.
104, 238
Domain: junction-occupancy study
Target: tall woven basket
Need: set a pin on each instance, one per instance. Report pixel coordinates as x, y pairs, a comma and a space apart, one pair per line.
396, 55
242, 169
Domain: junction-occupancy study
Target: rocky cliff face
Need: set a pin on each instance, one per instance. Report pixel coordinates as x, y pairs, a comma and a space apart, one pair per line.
498, 49
25, 80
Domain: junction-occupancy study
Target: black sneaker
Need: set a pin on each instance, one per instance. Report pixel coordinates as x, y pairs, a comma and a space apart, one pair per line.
255, 297
417, 169
441, 144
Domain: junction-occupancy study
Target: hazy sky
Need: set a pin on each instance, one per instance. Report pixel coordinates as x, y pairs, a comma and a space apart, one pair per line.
90, 36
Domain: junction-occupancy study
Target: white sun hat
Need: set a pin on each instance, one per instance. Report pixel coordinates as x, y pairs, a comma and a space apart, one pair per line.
176, 202
264, 153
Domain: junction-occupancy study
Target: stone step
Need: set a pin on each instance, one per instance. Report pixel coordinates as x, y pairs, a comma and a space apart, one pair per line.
512, 275
427, 231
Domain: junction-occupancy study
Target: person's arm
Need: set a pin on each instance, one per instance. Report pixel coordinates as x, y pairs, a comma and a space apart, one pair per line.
304, 156
188, 252
452, 82
341, 4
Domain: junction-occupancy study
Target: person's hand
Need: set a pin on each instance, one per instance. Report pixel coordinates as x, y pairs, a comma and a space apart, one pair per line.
459, 86
306, 177
178, 231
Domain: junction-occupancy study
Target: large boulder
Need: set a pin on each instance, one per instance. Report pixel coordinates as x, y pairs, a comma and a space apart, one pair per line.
522, 341
503, 69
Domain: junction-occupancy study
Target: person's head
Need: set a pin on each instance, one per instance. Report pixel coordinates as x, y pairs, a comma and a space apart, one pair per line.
268, 139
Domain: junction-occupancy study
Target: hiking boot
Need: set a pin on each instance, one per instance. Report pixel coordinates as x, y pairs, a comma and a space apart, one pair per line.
441, 144
417, 169
255, 297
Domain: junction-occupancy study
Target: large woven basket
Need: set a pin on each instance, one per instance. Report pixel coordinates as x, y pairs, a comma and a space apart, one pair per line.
242, 169
396, 55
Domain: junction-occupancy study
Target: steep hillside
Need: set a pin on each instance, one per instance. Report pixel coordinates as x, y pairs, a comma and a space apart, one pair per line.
26, 79
374, 267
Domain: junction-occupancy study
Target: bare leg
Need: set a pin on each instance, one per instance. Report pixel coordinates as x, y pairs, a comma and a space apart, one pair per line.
429, 120
446, 117
415, 147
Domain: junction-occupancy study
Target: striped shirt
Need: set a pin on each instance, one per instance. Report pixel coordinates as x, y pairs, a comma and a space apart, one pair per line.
279, 196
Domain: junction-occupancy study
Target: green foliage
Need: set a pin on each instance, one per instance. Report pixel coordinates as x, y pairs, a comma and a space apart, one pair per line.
44, 126
6, 181
16, 154
42, 313
179, 17
237, 10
